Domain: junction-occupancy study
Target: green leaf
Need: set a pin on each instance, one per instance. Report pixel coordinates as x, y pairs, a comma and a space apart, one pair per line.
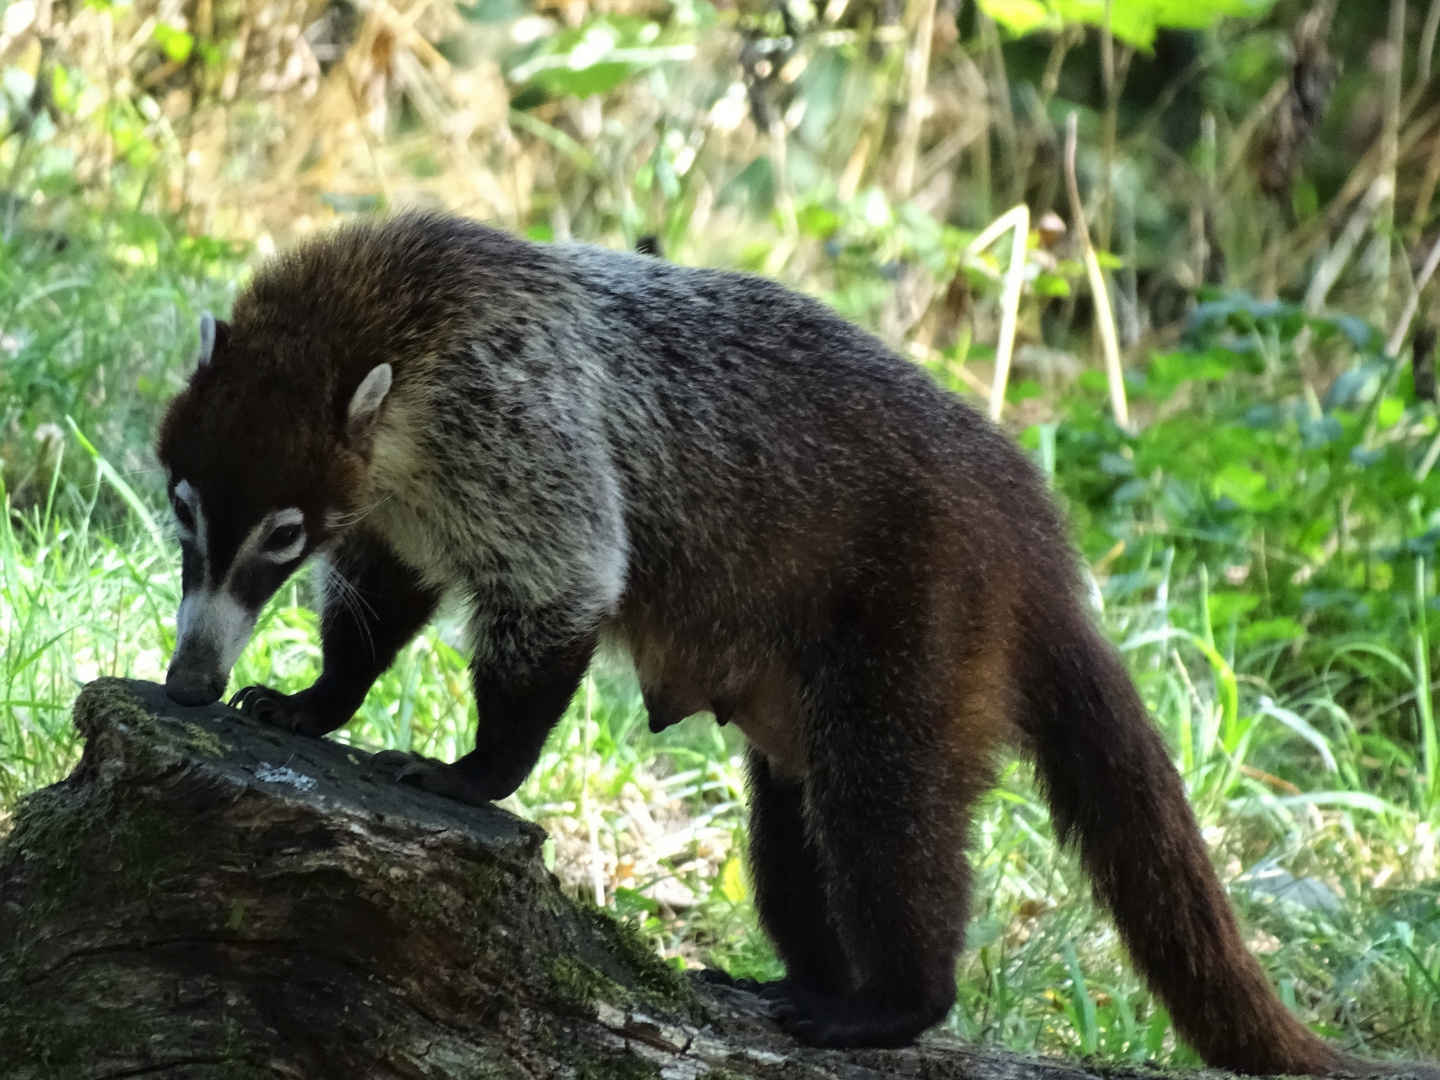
1298, 724
1390, 412
1226, 606
586, 81
732, 881
1020, 16
1135, 21
1281, 629
598, 57
174, 42
818, 221
1023, 391
1244, 487
1199, 14
1350, 800
1051, 285
1083, 1004
630, 901
64, 91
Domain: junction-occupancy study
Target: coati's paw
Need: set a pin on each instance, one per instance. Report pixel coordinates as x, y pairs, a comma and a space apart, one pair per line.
430, 775
286, 711
858, 1019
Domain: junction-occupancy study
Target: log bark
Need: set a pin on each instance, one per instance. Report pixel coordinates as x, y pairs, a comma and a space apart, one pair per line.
207, 897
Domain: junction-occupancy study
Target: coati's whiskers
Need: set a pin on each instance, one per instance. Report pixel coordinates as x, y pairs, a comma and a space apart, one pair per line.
341, 519
336, 588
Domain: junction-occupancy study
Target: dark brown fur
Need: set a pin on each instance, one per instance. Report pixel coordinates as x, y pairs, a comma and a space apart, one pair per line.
812, 541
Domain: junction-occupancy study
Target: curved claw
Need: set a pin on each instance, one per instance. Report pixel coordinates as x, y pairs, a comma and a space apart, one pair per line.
433, 776
265, 705
241, 696
415, 771
391, 762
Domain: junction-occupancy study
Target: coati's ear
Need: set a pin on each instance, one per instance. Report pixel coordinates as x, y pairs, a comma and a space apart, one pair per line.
365, 405
212, 332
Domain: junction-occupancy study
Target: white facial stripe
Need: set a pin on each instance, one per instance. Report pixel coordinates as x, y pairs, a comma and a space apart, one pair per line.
214, 619
211, 619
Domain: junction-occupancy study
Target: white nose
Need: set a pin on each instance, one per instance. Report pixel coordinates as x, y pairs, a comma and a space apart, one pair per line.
212, 628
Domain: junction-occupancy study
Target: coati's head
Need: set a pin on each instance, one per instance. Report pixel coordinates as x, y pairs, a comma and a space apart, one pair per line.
266, 458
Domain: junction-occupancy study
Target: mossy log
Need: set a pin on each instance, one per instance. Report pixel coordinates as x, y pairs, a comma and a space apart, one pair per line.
207, 897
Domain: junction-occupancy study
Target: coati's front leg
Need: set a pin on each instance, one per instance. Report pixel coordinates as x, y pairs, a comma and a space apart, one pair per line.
521, 692
374, 608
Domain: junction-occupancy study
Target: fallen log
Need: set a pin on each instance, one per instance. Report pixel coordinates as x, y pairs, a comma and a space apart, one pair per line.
208, 897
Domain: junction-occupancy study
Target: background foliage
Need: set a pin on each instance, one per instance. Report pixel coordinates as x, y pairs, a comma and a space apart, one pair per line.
1259, 183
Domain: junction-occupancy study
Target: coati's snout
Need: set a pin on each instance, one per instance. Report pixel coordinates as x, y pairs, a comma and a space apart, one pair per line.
224, 584
201, 684
256, 486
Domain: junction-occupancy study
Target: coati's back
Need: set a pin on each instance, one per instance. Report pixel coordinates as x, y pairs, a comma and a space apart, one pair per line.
784, 442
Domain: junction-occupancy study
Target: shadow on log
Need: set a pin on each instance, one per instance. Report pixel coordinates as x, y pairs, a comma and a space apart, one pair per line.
207, 897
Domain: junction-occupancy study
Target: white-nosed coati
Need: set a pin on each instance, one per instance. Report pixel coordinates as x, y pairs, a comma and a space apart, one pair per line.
777, 518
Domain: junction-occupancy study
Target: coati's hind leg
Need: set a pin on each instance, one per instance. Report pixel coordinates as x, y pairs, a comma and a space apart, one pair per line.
790, 892
374, 604
519, 698
888, 809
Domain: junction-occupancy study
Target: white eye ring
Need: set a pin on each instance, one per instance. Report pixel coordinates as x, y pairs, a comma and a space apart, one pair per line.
284, 520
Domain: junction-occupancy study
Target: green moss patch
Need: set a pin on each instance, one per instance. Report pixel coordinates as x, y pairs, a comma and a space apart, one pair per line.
577, 987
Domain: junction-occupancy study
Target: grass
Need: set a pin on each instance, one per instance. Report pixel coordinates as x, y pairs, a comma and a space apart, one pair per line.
1319, 802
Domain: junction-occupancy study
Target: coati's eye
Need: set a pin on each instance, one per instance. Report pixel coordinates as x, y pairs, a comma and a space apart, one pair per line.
283, 537
183, 515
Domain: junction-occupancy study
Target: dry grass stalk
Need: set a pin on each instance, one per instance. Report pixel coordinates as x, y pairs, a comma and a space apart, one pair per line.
1104, 316
917, 71
1016, 220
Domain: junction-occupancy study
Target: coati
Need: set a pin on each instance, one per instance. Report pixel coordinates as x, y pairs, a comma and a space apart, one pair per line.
778, 519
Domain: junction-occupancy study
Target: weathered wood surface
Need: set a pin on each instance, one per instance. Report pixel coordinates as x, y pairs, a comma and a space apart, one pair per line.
206, 897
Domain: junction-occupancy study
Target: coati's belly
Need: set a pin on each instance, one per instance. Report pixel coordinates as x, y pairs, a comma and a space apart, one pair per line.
760, 699
769, 715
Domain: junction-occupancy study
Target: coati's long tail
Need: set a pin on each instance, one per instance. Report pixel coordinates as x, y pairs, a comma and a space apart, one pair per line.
1114, 793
